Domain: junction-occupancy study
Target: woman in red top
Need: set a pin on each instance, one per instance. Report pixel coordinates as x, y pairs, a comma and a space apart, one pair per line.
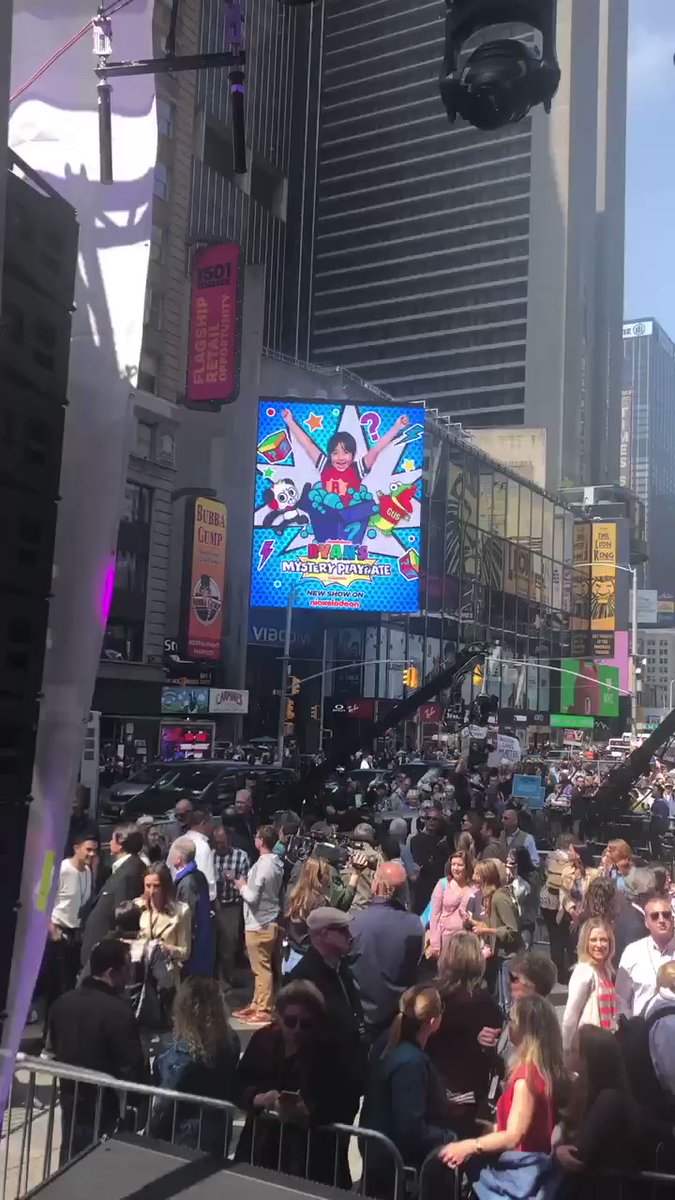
526, 1112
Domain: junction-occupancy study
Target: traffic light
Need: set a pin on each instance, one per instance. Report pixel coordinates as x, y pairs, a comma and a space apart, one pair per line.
411, 677
316, 712
295, 685
498, 79
290, 710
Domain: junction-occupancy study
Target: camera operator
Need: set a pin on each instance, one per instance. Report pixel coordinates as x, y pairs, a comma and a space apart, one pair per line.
364, 838
342, 885
430, 849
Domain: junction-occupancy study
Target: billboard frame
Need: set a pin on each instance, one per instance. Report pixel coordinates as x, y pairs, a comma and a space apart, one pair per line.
371, 522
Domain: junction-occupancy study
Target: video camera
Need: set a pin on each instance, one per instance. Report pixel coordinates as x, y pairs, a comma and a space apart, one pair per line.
339, 850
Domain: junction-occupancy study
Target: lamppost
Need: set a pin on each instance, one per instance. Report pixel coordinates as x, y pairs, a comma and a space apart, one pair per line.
634, 631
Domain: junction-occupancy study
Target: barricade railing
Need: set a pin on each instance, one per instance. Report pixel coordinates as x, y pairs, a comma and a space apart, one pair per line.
37, 1134
611, 1185
332, 1141
45, 1125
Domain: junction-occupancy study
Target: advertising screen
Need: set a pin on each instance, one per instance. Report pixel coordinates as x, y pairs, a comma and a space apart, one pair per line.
337, 506
589, 689
184, 700
205, 579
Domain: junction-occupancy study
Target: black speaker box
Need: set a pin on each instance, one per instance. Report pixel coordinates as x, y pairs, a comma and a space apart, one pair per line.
18, 728
31, 439
127, 1166
34, 338
27, 526
41, 236
23, 630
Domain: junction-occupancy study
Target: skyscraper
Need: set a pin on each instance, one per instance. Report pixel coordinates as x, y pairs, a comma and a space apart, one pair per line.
648, 439
471, 270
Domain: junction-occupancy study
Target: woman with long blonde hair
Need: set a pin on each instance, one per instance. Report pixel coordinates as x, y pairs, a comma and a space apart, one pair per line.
591, 998
468, 1008
617, 861
311, 891
404, 1082
527, 1109
499, 926
199, 1057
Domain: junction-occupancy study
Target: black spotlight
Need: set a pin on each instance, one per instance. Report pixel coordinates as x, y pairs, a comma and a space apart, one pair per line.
498, 80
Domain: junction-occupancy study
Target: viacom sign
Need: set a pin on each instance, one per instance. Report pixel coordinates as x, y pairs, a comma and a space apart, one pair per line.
638, 329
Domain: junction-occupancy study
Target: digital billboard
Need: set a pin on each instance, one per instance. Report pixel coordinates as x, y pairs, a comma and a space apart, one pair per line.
588, 688
177, 700
337, 506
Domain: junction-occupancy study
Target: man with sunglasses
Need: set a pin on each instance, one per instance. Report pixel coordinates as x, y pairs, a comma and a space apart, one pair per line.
325, 965
641, 961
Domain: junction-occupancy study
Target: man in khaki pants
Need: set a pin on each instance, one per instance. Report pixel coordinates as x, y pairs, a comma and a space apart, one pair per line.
261, 893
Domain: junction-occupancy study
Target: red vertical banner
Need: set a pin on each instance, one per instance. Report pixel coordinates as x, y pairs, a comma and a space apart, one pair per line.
213, 354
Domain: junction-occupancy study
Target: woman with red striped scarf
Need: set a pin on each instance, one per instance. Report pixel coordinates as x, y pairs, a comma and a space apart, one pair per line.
591, 999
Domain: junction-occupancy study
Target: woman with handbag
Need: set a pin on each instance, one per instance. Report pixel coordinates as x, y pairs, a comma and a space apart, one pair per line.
165, 921
591, 998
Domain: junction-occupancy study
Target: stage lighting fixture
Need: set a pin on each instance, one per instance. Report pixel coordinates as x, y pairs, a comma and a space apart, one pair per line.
489, 79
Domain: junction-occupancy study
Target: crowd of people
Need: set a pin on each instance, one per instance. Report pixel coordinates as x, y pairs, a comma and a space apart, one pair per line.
403, 975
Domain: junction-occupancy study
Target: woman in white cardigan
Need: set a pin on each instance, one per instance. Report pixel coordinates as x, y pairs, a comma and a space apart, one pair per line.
591, 997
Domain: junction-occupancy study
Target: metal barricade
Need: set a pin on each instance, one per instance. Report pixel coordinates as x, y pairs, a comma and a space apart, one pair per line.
335, 1153
615, 1185
39, 1138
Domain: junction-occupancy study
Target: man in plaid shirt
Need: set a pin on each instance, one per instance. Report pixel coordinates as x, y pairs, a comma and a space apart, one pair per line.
230, 863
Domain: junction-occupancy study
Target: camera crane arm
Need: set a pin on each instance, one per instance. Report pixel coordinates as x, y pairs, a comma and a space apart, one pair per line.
466, 660
616, 787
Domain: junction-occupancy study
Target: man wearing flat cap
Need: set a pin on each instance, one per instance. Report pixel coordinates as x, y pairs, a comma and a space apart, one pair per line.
325, 965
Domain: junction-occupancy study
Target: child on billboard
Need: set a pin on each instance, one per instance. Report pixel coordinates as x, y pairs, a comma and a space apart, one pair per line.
341, 471
340, 486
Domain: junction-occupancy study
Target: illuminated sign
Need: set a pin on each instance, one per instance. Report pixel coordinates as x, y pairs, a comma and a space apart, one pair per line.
337, 506
638, 329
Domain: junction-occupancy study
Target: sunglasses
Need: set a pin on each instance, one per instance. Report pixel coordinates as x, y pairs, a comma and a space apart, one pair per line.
303, 1023
660, 916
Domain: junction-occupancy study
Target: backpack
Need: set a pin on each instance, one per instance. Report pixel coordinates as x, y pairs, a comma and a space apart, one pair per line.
426, 915
633, 1038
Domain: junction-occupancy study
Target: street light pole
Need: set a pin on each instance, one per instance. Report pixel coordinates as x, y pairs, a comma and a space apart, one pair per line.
285, 667
634, 651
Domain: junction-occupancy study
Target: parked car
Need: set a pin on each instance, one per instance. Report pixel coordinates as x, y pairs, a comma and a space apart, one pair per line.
209, 782
113, 804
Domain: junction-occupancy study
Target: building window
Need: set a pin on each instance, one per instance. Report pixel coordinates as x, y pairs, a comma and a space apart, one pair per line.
148, 372
161, 187
145, 441
157, 244
154, 308
166, 113
131, 571
123, 641
137, 503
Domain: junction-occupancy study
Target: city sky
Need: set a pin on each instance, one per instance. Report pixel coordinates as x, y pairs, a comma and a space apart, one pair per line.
650, 172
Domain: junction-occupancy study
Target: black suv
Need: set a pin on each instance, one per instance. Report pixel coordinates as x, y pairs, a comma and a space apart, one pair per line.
211, 782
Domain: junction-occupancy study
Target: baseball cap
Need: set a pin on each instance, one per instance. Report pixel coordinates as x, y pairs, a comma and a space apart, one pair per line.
327, 918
